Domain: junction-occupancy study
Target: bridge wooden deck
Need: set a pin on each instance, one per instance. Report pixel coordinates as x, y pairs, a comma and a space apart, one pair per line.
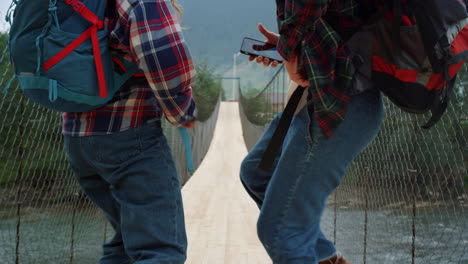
220, 217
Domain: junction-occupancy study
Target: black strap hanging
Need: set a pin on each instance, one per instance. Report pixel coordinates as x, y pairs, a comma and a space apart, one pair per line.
277, 139
397, 13
441, 101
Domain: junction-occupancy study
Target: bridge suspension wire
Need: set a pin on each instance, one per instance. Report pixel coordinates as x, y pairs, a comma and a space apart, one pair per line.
405, 198
44, 216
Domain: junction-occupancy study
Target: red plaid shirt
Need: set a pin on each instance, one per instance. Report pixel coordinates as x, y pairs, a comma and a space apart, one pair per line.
314, 29
146, 32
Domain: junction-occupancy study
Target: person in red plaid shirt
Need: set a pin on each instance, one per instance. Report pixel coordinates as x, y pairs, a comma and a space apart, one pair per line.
337, 121
119, 153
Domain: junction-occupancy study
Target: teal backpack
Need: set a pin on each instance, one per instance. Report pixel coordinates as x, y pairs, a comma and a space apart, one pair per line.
60, 54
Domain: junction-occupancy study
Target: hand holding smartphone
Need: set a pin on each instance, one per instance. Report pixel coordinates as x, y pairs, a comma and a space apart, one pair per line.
257, 48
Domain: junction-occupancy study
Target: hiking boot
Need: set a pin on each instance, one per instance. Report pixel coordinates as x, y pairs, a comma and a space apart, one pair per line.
338, 259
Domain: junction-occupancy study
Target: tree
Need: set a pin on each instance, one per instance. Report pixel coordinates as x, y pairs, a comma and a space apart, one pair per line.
206, 91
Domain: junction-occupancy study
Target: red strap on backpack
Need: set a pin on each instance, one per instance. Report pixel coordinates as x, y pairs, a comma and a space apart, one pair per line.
124, 69
91, 32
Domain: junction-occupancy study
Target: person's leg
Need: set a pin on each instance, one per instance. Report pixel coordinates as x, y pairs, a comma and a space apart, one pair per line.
139, 166
255, 181
324, 248
307, 173
99, 192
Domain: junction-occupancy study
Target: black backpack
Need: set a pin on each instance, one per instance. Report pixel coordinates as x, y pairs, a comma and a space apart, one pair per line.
413, 51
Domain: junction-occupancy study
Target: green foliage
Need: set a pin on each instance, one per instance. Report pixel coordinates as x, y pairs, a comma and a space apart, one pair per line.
31, 146
5, 70
206, 91
3, 41
30, 140
258, 109
250, 93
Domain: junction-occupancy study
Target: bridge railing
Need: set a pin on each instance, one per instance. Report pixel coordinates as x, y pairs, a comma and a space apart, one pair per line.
258, 110
405, 198
44, 216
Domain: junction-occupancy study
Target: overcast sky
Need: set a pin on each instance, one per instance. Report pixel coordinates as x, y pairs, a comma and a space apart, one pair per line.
4, 4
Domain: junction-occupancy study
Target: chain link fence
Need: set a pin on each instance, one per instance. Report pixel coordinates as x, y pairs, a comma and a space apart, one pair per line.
405, 198
44, 216
257, 111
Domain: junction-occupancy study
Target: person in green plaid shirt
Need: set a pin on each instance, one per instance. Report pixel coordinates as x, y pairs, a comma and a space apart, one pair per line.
339, 120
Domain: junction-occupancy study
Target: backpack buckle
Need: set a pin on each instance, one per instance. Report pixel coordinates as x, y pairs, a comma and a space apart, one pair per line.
77, 5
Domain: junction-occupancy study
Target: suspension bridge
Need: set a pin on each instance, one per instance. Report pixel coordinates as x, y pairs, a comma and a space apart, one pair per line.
404, 200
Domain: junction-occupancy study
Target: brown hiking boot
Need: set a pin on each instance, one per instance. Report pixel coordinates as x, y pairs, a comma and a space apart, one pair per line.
338, 259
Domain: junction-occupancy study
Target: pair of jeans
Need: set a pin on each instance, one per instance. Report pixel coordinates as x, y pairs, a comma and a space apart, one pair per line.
292, 195
132, 178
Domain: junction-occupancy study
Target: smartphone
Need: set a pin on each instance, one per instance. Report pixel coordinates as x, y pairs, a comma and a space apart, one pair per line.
255, 47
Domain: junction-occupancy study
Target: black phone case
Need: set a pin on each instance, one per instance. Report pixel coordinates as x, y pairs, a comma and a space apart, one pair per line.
253, 54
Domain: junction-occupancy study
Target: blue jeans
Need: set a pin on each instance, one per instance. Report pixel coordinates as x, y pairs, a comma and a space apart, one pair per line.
132, 177
292, 195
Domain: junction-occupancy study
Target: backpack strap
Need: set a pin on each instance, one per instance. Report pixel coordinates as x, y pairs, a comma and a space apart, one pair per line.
188, 149
81, 9
127, 73
10, 12
440, 104
91, 32
397, 13
276, 141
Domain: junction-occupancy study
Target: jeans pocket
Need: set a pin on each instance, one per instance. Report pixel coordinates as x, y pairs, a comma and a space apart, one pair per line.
152, 140
118, 147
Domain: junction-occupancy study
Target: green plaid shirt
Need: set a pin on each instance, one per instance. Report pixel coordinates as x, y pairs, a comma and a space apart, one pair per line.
314, 29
